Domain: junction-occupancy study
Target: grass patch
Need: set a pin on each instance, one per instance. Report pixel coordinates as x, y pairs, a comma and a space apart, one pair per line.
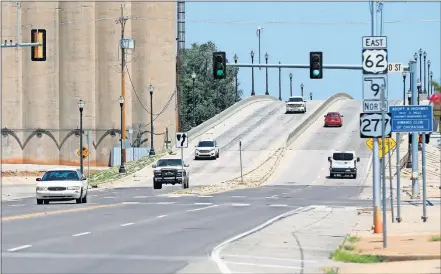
353, 239
348, 247
342, 255
112, 174
330, 270
435, 239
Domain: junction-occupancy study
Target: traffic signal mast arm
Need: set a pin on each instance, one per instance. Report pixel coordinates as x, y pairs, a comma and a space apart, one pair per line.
303, 66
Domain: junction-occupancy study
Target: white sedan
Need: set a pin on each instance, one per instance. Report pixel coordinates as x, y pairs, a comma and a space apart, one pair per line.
62, 185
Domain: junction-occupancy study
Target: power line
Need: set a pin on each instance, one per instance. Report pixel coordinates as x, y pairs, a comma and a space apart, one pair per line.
136, 94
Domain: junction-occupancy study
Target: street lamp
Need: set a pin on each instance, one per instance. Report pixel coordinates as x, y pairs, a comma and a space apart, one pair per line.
415, 56
252, 74
259, 30
81, 107
235, 76
428, 76
122, 169
290, 84
419, 90
266, 74
193, 76
409, 97
404, 87
421, 67
152, 149
431, 85
424, 86
301, 89
409, 150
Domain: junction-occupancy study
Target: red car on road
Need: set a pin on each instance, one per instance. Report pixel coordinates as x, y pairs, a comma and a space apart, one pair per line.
333, 119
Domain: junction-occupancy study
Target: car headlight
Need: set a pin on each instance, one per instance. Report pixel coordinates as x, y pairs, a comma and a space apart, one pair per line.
73, 187
41, 188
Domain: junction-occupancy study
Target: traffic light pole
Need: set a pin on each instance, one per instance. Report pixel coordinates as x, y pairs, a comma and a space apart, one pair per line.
21, 45
303, 66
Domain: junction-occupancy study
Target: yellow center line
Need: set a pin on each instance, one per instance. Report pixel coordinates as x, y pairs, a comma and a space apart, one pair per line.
38, 214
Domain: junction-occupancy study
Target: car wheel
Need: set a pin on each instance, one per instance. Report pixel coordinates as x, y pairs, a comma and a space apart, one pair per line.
157, 185
84, 200
217, 155
196, 158
39, 201
331, 175
46, 202
354, 176
79, 200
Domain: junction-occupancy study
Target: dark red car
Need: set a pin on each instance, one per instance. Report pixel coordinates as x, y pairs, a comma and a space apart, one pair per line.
333, 119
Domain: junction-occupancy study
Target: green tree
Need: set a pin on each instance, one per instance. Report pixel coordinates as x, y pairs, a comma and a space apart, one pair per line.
436, 86
211, 96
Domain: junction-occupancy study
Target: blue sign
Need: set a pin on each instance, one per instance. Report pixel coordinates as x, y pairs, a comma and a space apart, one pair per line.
412, 118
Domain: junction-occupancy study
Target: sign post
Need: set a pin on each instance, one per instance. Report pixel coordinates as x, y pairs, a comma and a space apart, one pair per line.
374, 122
181, 142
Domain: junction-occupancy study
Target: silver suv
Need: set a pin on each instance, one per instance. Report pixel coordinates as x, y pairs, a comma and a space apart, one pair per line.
206, 148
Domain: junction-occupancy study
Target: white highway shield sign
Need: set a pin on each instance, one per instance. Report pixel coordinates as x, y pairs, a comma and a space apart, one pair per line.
370, 125
374, 61
372, 86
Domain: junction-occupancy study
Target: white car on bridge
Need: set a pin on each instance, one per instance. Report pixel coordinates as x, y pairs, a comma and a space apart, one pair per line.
295, 104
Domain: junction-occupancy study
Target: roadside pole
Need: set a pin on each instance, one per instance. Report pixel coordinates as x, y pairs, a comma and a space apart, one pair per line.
415, 185
383, 131
391, 189
88, 156
240, 157
398, 179
423, 158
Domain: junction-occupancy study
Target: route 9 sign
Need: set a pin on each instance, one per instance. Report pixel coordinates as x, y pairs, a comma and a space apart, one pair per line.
370, 125
374, 61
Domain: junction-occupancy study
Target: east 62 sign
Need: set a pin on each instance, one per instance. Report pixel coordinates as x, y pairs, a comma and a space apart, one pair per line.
370, 125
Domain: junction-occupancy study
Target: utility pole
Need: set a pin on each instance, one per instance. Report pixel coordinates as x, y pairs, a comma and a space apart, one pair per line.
179, 61
122, 20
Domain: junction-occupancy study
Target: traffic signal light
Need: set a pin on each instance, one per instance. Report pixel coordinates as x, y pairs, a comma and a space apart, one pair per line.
38, 53
420, 138
316, 65
219, 65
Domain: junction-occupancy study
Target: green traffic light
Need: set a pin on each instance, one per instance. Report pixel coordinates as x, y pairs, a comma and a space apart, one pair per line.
316, 72
220, 72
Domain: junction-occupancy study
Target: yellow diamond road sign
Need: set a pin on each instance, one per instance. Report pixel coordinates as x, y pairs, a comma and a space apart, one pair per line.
390, 144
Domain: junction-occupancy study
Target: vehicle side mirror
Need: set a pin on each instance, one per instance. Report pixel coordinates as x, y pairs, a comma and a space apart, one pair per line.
38, 179
358, 159
186, 165
153, 166
324, 116
329, 159
342, 116
84, 178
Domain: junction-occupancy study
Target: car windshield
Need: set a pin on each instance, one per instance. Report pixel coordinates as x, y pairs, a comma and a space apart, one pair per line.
295, 99
61, 175
333, 115
169, 162
343, 156
206, 144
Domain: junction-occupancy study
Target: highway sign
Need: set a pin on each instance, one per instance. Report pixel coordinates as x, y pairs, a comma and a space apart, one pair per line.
181, 139
394, 67
372, 86
412, 118
373, 106
389, 144
370, 125
85, 152
374, 42
374, 61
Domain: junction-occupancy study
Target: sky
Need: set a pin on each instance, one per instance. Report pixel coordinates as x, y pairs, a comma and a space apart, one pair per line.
288, 36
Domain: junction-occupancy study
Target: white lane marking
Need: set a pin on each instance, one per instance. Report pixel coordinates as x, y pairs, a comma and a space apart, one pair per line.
238, 196
203, 203
240, 204
278, 205
127, 224
109, 197
215, 254
318, 177
265, 258
205, 196
165, 203
94, 195
140, 197
202, 208
130, 203
16, 205
161, 216
19, 248
173, 196
81, 234
264, 265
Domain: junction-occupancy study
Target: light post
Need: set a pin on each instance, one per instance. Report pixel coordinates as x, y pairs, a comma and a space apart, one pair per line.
418, 89
409, 151
301, 89
424, 86
431, 85
266, 74
81, 107
152, 149
121, 100
404, 87
421, 67
259, 30
428, 76
235, 76
252, 74
290, 84
193, 76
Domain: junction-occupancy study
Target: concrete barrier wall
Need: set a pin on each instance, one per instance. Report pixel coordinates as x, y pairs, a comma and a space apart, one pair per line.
308, 121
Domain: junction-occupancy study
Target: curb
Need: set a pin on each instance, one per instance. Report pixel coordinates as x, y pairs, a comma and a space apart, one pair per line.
401, 258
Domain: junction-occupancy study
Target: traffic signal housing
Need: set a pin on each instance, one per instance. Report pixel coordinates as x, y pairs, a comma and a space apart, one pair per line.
219, 65
420, 138
316, 65
38, 53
